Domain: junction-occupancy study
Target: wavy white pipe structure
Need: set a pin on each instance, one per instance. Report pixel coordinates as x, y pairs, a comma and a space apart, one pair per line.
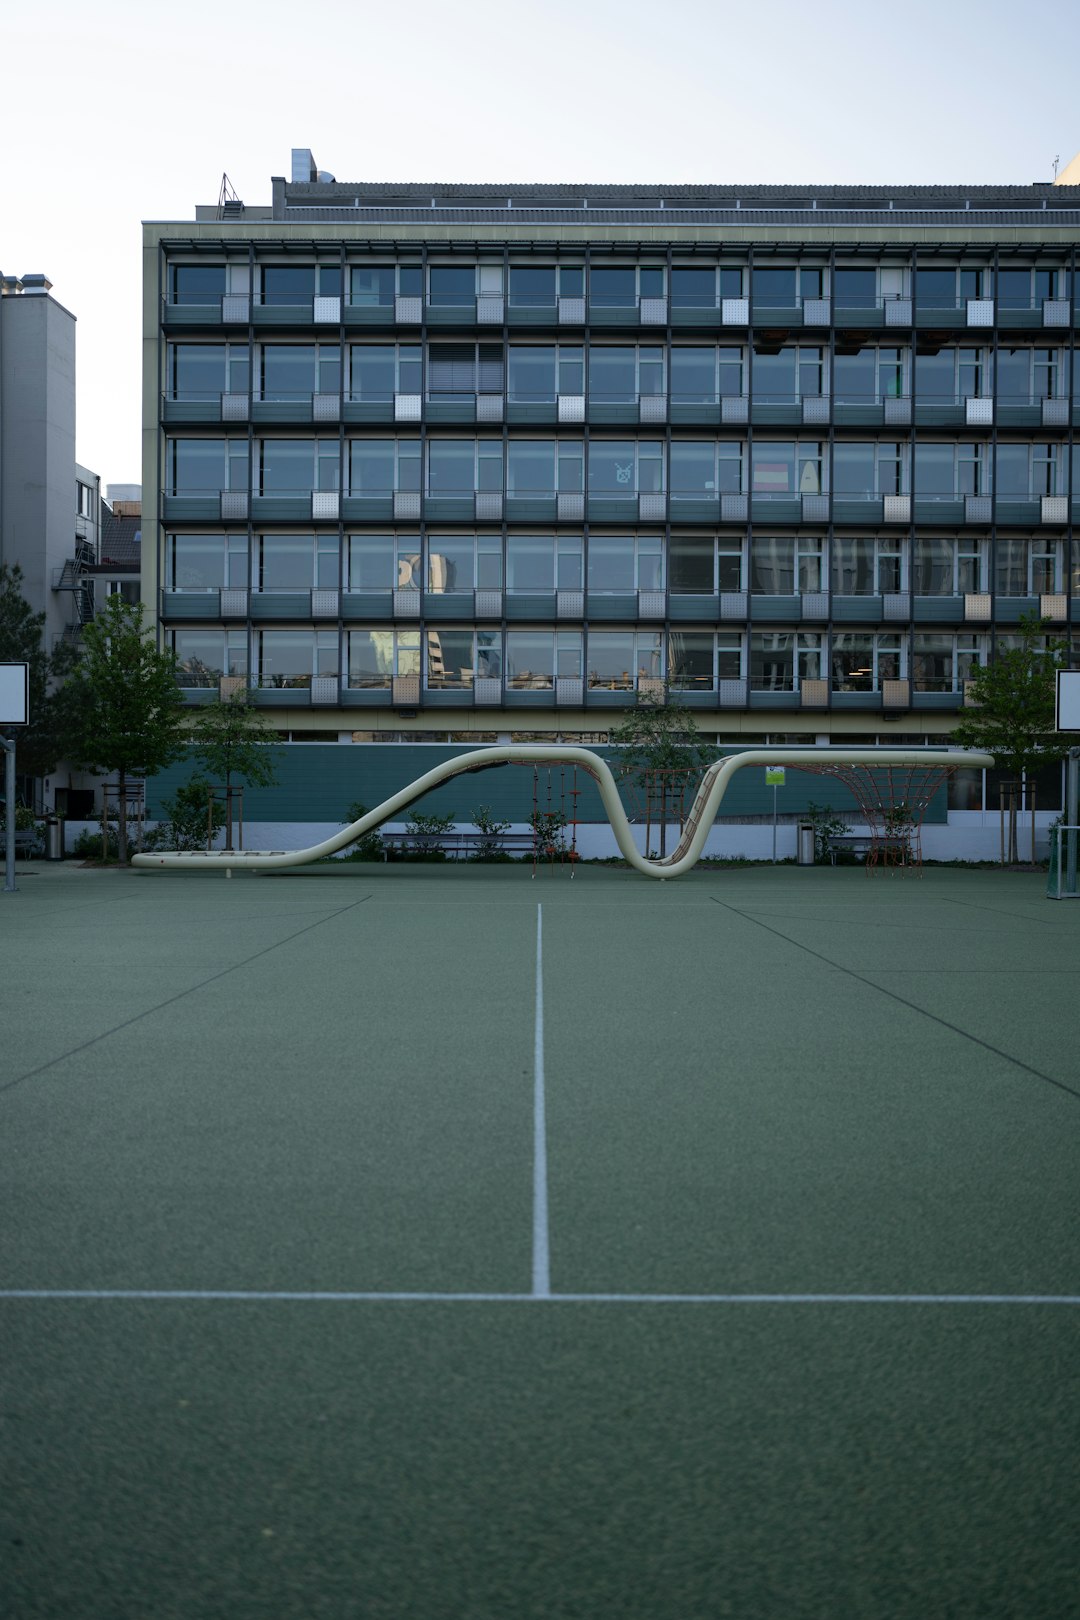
696, 830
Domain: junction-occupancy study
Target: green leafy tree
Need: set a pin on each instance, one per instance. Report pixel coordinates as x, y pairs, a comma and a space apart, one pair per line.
232, 737
658, 746
126, 713
191, 817
22, 641
1012, 715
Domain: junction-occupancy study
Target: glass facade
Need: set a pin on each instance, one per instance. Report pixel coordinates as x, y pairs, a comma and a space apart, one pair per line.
569, 473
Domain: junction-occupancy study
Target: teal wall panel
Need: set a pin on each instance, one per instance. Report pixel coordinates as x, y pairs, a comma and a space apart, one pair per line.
319, 782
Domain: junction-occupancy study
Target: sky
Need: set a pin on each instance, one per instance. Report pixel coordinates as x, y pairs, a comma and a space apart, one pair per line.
131, 110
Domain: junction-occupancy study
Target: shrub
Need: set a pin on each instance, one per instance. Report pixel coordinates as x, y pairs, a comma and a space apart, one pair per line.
369, 846
189, 815
491, 831
826, 824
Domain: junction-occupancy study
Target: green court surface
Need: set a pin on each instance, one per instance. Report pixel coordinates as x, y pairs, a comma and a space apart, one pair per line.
439, 1244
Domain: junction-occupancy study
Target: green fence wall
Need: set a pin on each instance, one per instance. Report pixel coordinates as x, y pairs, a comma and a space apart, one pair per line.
318, 782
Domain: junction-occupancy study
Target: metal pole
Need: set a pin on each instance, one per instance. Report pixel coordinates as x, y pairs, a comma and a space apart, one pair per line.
1072, 815
10, 886
774, 824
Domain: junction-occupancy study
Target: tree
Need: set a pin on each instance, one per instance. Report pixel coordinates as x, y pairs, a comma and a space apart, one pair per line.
231, 737
659, 747
1012, 714
22, 641
127, 708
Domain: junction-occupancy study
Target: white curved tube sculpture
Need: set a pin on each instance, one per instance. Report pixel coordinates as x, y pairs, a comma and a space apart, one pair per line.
696, 830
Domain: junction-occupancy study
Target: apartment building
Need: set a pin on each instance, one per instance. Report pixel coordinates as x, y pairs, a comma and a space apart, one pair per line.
445, 462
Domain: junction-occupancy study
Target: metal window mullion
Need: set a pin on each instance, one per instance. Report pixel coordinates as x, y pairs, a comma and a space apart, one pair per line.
748, 452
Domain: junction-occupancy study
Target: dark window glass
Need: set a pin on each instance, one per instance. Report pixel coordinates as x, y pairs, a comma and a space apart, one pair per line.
372, 284
693, 376
613, 288
532, 286
935, 289
1014, 289
288, 283
775, 288
452, 286
693, 289
198, 283
855, 289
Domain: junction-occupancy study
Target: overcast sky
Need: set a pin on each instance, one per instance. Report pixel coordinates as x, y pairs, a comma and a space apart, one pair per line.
131, 110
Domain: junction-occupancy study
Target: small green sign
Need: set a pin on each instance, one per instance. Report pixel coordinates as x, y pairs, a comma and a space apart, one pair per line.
775, 776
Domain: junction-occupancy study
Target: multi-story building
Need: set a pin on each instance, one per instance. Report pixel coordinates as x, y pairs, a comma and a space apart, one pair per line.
457, 461
49, 505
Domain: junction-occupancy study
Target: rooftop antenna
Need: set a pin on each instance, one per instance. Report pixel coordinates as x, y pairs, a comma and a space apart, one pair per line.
1057, 160
228, 203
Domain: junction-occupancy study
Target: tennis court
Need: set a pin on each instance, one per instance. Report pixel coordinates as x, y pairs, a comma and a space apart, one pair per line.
440, 1243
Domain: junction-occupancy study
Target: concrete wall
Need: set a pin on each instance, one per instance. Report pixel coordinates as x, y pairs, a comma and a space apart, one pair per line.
37, 447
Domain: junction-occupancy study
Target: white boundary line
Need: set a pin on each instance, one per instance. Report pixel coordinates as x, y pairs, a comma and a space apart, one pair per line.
285, 1296
541, 1250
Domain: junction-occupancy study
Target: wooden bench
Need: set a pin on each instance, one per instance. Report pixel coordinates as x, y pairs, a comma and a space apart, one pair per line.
459, 844
865, 844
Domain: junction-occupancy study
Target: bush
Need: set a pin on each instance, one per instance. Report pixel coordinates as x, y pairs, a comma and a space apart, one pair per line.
369, 846
434, 827
549, 834
491, 831
88, 844
826, 824
185, 823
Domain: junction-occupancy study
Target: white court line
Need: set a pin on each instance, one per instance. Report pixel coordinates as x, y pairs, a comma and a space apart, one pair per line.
286, 1296
541, 1252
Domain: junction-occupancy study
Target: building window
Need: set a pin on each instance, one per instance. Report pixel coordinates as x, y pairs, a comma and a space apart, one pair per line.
465, 562
785, 565
697, 659
867, 567
871, 376
630, 467
289, 658
298, 466
947, 567
540, 286
383, 562
705, 376
780, 660
861, 660
793, 373
289, 373
870, 470
538, 468
787, 469
375, 286
621, 563
704, 288
619, 660
543, 563
622, 375
704, 470
535, 659
376, 656
294, 285
206, 466
205, 655
205, 371
296, 562
381, 467
206, 562
537, 374
197, 283
455, 658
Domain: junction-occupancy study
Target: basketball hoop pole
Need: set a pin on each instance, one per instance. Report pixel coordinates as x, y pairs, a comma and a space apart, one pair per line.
10, 886
1072, 811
